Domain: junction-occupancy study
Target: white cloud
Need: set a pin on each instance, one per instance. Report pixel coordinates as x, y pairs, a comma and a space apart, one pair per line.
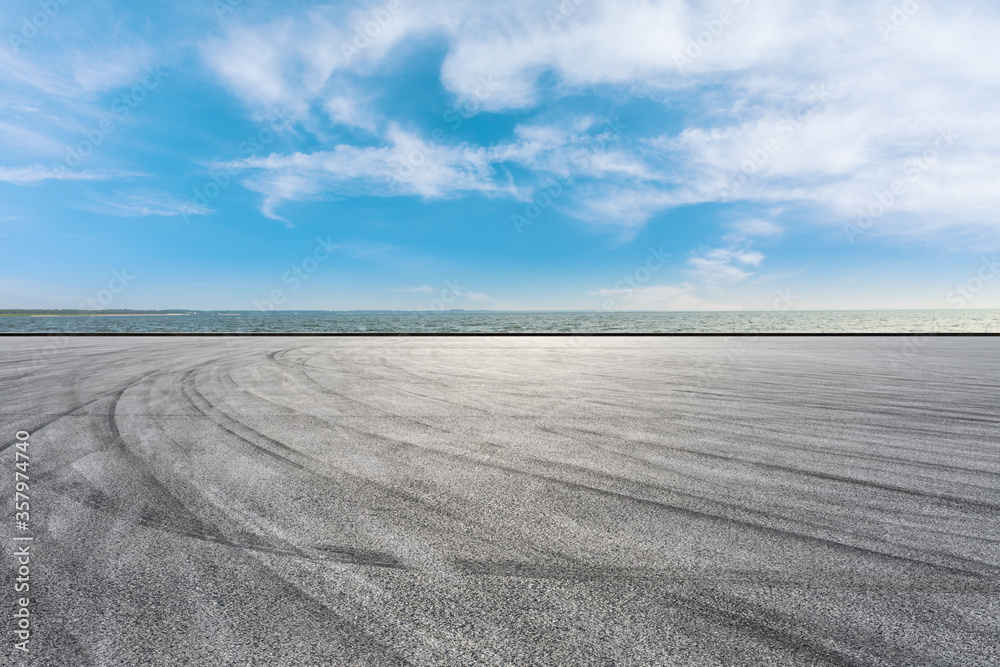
254, 62
406, 166
682, 297
143, 203
718, 266
293, 61
419, 288
36, 174
712, 274
28, 140
71, 60
351, 110
361, 249
757, 227
620, 42
787, 103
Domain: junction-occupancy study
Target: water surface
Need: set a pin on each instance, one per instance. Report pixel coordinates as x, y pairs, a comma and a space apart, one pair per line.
886, 321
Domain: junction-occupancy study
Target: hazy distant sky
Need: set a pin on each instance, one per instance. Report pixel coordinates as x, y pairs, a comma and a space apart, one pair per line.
580, 154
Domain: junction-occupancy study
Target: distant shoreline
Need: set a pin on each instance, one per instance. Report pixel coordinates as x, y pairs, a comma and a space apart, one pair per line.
104, 315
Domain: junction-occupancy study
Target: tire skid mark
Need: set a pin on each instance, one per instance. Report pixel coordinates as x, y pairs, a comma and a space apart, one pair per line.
741, 523
851, 435
442, 400
865, 408
696, 424
701, 480
340, 554
710, 516
315, 466
244, 433
766, 515
15, 378
265, 533
140, 468
207, 532
326, 390
582, 571
86, 495
792, 470
955, 500
858, 407
281, 358
53, 418
364, 590
713, 425
837, 451
433, 507
802, 537
727, 611
703, 515
300, 371
403, 444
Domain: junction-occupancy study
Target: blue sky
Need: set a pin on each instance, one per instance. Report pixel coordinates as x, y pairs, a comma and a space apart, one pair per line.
423, 154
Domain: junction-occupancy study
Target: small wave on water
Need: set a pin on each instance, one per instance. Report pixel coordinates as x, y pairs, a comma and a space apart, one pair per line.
869, 321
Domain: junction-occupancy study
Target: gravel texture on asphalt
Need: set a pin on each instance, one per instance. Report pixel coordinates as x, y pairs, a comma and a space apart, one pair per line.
506, 500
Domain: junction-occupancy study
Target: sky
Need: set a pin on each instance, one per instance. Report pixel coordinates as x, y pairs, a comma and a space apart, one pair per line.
438, 154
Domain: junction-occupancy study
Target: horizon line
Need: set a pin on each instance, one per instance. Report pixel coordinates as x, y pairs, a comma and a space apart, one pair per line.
14, 312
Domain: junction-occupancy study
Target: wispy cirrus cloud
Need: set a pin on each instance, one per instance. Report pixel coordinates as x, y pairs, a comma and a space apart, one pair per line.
142, 203
685, 296
36, 173
409, 290
755, 227
722, 265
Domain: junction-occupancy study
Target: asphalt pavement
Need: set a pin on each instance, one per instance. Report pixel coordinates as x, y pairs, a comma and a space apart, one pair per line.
505, 500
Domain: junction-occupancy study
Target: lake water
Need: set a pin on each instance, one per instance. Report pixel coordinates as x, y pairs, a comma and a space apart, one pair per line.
895, 321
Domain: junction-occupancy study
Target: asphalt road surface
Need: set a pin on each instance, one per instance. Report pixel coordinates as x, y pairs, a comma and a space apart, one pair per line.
506, 500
